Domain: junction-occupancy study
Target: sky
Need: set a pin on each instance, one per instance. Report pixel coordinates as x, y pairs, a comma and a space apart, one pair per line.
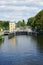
15, 10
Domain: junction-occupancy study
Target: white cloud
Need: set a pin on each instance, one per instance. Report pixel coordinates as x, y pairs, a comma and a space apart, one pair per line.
19, 9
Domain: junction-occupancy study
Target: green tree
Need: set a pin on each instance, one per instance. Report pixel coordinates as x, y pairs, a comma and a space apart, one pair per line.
23, 23
6, 25
36, 21
20, 23
30, 21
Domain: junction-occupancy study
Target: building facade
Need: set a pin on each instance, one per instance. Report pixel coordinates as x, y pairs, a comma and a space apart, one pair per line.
11, 26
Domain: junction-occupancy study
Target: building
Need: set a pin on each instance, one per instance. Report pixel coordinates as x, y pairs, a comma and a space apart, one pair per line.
11, 26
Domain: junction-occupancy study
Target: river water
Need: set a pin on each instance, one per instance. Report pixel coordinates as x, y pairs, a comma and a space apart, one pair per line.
22, 50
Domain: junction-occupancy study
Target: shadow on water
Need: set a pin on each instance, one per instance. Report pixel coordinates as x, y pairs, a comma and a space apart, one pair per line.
1, 42
40, 43
39, 40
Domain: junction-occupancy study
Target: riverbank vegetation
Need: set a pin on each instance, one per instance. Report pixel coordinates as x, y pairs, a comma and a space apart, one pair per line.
4, 25
36, 22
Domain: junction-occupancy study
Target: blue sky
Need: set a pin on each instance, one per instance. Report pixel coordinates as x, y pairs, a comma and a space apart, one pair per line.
15, 10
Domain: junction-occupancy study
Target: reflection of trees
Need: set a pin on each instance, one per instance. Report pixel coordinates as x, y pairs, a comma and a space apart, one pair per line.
40, 43
1, 42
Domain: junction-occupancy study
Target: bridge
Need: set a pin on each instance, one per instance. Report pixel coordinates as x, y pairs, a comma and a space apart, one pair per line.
18, 32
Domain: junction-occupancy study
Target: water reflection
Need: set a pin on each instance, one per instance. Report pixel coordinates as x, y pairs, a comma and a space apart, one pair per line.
12, 42
36, 40
22, 50
40, 43
1, 42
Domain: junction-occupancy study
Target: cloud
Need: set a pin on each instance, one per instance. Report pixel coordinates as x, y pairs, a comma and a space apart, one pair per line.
19, 9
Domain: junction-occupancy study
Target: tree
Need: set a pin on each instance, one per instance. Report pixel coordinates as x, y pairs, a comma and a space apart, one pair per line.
20, 23
36, 21
23, 23
4, 25
39, 20
30, 21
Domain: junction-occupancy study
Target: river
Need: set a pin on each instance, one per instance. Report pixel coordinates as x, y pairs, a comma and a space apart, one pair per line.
22, 50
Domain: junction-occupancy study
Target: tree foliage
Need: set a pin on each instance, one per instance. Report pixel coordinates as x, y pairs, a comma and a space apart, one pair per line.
21, 23
4, 25
36, 21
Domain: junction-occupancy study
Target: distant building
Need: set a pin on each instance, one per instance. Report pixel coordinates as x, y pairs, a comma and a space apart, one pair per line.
11, 26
